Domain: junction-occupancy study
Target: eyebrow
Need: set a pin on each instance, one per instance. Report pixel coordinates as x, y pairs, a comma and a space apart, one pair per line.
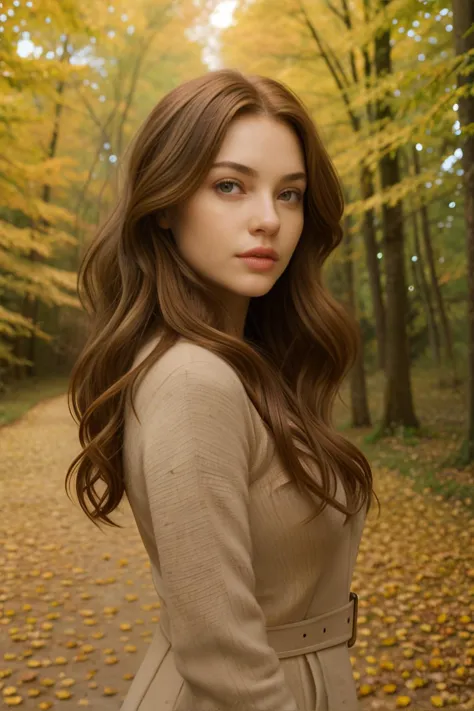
250, 171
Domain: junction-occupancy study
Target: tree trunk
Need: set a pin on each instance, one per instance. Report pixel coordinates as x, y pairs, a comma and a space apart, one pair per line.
360, 413
367, 188
371, 249
463, 11
423, 286
398, 404
426, 232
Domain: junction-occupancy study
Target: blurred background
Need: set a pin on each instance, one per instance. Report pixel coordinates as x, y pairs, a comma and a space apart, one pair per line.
389, 83
380, 78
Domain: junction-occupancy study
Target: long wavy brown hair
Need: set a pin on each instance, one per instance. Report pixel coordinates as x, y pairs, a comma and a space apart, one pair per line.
298, 342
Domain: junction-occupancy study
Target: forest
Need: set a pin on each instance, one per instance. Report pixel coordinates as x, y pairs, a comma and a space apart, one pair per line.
389, 83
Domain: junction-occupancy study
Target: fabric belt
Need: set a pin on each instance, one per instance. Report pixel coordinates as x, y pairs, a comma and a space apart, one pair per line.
316, 633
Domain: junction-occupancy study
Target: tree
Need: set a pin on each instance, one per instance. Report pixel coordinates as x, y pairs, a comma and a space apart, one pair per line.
29, 223
360, 412
464, 43
418, 267
428, 246
398, 402
77, 78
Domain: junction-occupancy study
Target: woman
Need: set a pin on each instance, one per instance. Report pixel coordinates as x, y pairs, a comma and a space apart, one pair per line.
250, 506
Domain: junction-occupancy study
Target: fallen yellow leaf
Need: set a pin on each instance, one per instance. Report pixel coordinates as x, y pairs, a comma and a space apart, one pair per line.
10, 691
63, 695
87, 648
109, 691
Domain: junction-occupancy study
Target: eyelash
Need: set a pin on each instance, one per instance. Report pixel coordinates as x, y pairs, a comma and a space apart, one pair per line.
235, 182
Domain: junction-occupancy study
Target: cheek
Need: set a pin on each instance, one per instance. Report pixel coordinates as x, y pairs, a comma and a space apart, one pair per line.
199, 239
301, 218
205, 226
198, 219
295, 231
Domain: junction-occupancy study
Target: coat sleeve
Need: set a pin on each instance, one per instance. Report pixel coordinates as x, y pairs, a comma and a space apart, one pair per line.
196, 462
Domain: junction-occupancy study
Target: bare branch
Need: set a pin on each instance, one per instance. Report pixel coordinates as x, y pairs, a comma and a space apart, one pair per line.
354, 119
338, 64
85, 187
335, 10
95, 118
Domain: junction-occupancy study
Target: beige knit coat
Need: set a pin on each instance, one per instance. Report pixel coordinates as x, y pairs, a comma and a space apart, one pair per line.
222, 522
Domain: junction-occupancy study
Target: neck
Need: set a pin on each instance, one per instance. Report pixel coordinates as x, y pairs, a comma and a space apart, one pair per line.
236, 308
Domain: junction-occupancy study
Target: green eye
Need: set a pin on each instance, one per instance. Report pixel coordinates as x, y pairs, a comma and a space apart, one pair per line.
224, 186
294, 193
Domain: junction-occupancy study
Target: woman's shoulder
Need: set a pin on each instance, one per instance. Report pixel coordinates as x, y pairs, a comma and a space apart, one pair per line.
192, 377
189, 364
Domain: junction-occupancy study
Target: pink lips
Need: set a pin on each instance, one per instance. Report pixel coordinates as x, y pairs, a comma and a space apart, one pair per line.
263, 252
259, 263
260, 258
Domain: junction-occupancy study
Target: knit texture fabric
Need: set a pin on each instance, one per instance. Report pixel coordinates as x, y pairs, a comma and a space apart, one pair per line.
222, 522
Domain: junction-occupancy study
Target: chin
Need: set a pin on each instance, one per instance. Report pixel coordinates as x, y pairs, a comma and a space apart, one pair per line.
255, 293
255, 290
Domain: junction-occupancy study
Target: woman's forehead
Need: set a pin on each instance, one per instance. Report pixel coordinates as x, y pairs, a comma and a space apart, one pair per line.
262, 143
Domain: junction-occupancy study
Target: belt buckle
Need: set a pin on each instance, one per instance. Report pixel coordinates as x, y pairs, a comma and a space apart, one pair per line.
354, 597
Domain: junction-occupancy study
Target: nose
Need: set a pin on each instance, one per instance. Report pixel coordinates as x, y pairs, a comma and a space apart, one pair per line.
265, 219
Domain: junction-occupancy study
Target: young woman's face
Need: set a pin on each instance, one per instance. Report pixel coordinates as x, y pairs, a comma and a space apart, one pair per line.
252, 197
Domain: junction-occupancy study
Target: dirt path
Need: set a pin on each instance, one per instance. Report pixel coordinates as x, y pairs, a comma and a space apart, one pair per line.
77, 606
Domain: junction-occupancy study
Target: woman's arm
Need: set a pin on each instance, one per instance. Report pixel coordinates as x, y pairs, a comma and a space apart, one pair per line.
196, 463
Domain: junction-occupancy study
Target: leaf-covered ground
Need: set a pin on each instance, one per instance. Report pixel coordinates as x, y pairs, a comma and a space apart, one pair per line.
77, 606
